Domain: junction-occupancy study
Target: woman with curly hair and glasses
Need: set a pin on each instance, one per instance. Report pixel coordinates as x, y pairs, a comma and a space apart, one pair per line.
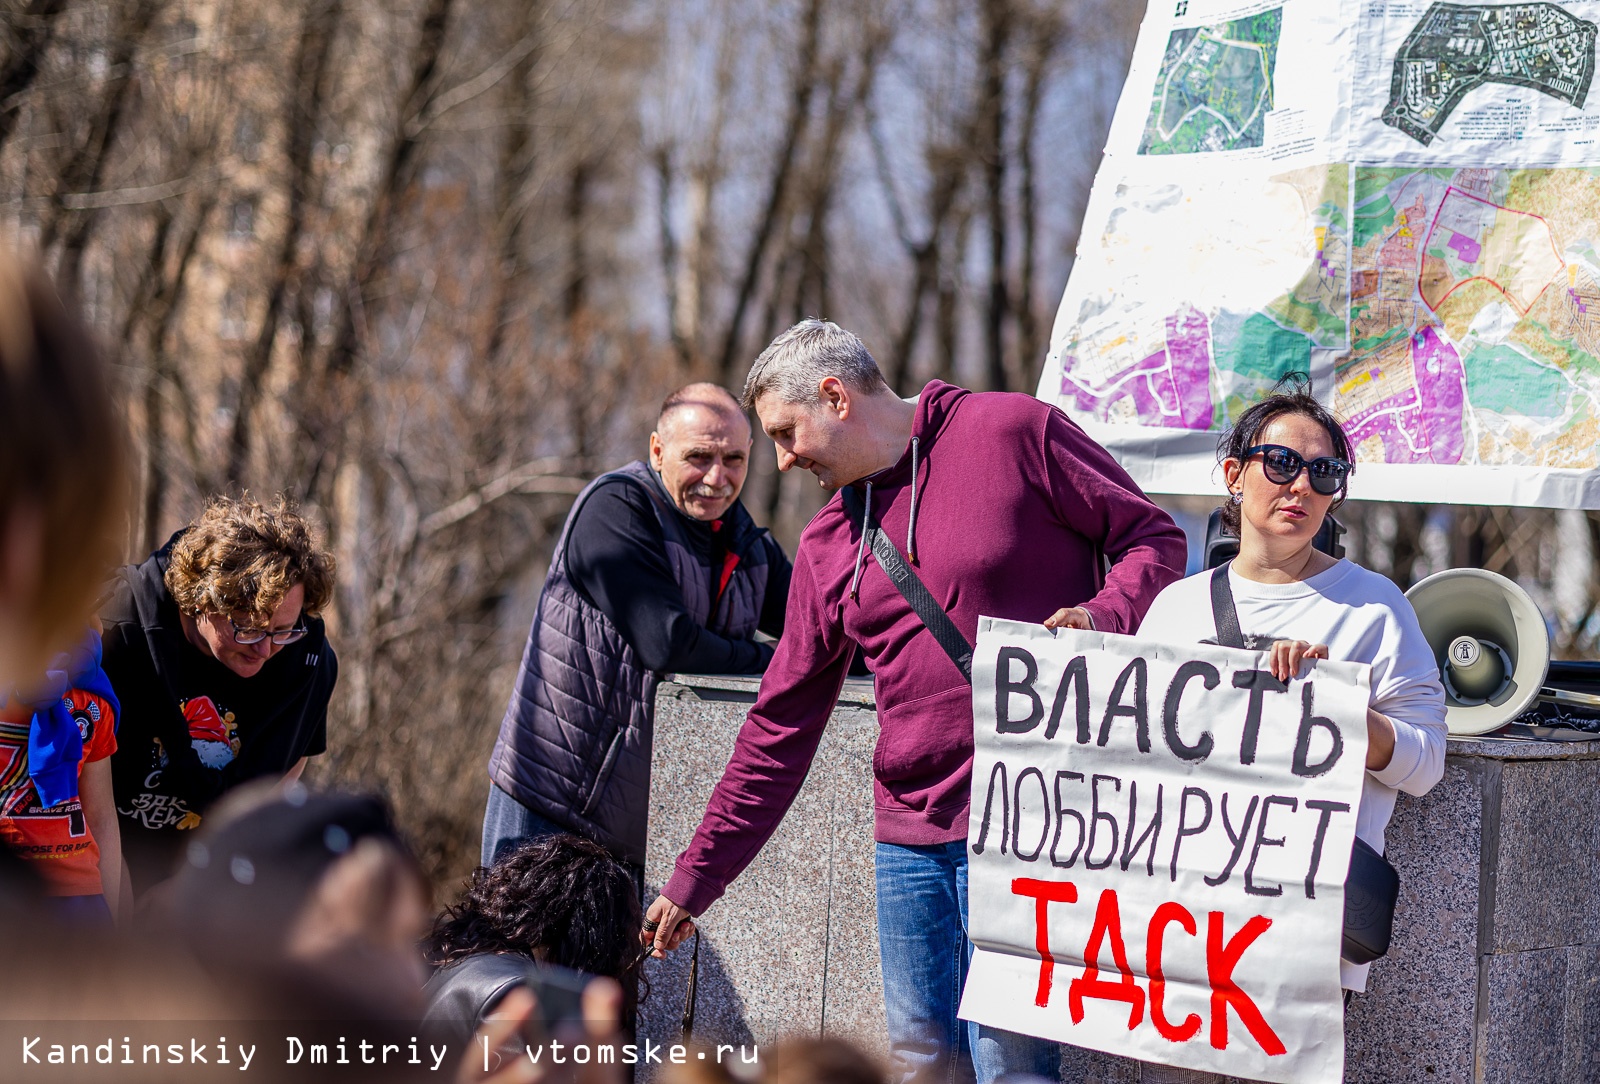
557, 900
1287, 464
215, 647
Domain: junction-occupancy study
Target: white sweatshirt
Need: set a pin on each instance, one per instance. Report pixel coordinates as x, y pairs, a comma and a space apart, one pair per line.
1362, 617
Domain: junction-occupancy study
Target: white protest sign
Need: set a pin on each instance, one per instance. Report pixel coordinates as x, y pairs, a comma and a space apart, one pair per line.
1157, 849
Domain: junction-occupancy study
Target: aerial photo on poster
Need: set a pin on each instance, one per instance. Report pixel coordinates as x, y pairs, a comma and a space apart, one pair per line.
1214, 89
1456, 48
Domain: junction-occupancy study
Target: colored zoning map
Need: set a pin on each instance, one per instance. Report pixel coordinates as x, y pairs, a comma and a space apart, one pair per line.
1215, 87
1198, 365
1455, 48
1473, 305
1474, 317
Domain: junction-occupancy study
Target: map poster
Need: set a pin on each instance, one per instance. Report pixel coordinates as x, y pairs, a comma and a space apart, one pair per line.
1194, 299
1442, 289
1476, 84
1157, 849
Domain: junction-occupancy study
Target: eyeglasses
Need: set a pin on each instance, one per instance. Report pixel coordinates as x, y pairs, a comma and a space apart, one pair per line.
280, 637
1283, 465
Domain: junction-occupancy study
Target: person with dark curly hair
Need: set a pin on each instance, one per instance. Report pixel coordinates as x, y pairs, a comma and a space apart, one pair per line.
215, 646
555, 905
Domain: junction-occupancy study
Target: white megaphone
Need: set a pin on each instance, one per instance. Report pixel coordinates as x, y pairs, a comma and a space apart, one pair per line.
1491, 644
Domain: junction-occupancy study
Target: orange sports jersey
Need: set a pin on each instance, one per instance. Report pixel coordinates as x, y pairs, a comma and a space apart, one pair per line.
56, 839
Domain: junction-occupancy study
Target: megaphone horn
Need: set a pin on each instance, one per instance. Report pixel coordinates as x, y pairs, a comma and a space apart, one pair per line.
1491, 644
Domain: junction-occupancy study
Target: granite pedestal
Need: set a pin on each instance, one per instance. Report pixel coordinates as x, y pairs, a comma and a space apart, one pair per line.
792, 948
1493, 977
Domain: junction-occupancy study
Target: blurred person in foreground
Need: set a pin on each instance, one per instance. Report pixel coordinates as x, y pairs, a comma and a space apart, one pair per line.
557, 900
62, 501
307, 891
63, 477
1287, 463
216, 649
56, 807
1002, 507
659, 569
303, 913
314, 909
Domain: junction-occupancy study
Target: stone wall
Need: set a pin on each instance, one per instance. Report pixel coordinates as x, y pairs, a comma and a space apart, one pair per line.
1493, 976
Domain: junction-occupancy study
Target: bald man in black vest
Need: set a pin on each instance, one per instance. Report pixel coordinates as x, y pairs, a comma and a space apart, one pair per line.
658, 570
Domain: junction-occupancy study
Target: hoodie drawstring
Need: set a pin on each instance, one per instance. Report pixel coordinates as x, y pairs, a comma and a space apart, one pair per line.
911, 528
866, 517
861, 550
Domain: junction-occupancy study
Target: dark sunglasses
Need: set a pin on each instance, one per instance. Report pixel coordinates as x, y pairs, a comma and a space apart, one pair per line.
1283, 465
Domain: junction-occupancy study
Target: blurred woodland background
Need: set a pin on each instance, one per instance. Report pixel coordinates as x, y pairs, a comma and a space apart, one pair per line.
427, 266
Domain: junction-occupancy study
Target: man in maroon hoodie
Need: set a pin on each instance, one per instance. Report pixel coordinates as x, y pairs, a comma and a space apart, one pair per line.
1003, 507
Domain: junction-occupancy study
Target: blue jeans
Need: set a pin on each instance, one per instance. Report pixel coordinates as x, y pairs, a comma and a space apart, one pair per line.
923, 946
507, 822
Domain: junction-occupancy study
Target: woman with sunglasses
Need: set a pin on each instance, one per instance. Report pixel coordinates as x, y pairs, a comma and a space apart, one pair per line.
1287, 464
215, 647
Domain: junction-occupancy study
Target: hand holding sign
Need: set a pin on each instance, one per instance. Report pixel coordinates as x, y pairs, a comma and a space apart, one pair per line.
1287, 655
1157, 846
1069, 617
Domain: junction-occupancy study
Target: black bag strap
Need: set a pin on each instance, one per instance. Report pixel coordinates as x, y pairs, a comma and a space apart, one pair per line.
911, 588
1222, 608
692, 994
1372, 884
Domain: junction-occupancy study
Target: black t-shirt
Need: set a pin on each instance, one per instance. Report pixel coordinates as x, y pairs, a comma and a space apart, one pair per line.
191, 729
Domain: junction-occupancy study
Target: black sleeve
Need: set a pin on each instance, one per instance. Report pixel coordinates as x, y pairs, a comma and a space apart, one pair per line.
776, 603
317, 740
618, 561
133, 686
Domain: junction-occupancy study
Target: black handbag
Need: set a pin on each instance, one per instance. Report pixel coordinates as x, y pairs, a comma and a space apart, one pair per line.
1373, 884
1370, 890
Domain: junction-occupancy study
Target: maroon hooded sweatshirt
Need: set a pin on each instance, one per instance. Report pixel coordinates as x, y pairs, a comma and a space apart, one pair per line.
1003, 505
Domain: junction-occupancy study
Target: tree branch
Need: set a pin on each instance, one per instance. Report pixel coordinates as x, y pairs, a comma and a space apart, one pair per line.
543, 475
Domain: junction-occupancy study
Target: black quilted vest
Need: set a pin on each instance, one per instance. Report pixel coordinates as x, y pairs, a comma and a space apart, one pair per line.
574, 745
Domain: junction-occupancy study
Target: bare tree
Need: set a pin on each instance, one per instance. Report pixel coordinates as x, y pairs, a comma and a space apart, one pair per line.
996, 20
66, 225
1044, 30
30, 28
429, 267
307, 92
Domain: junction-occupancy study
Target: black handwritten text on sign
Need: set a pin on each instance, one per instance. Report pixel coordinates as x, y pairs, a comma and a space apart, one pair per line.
1170, 826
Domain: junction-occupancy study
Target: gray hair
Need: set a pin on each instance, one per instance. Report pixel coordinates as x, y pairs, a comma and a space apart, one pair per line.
805, 355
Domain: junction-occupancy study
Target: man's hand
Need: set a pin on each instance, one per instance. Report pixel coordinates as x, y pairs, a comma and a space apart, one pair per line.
1287, 655
1070, 617
667, 925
